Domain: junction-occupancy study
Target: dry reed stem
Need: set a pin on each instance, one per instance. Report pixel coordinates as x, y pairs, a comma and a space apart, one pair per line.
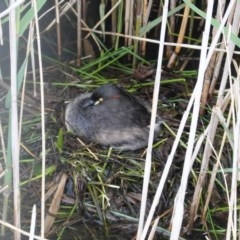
29, 50
11, 7
43, 131
79, 31
235, 108
211, 130
214, 173
5, 190
54, 207
183, 45
181, 36
14, 122
88, 149
63, 10
128, 22
179, 200
33, 222
213, 126
171, 29
216, 60
15, 229
147, 6
142, 232
58, 30
114, 21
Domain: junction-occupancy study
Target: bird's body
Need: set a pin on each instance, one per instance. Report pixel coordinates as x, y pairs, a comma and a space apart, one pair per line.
111, 117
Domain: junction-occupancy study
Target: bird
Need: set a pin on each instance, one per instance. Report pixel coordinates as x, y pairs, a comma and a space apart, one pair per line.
111, 117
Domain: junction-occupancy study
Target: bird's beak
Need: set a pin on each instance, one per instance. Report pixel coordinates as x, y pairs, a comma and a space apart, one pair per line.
98, 101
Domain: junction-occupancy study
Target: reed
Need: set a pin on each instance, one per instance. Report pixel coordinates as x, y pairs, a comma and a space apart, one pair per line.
184, 183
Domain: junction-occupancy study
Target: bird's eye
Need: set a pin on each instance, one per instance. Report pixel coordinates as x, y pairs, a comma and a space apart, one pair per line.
98, 101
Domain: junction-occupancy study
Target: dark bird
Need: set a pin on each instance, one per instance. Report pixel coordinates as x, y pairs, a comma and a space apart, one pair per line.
112, 117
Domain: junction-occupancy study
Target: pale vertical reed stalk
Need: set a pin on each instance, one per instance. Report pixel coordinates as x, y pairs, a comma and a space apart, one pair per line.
1, 39
42, 121
178, 210
14, 121
170, 37
148, 161
102, 9
119, 24
131, 17
128, 19
79, 32
30, 49
147, 6
33, 64
58, 30
8, 173
219, 55
154, 227
6, 189
214, 171
181, 36
33, 222
232, 214
114, 21
3, 150
196, 197
137, 27
168, 164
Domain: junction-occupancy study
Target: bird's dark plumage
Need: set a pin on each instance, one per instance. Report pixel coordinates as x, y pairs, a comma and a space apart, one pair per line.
110, 116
